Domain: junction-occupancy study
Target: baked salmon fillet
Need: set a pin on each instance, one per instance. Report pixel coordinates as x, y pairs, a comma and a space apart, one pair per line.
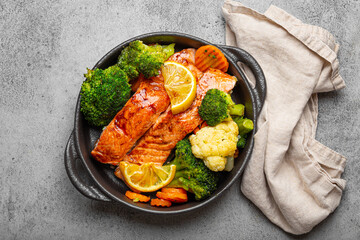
156, 145
138, 114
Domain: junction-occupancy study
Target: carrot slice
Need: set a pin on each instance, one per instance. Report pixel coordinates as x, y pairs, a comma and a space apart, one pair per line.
209, 56
160, 202
173, 190
173, 197
137, 197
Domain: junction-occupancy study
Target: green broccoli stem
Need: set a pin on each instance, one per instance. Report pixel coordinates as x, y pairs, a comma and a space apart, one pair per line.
178, 183
181, 172
245, 126
179, 166
190, 187
237, 110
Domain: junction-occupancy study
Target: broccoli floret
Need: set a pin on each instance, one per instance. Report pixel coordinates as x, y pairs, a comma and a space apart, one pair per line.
140, 58
217, 106
191, 173
103, 94
241, 141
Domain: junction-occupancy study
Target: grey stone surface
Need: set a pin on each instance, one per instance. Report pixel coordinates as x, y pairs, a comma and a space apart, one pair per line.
46, 47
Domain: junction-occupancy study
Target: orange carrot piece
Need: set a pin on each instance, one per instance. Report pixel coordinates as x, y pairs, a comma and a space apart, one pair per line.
160, 202
209, 56
137, 196
173, 190
196, 129
173, 197
204, 124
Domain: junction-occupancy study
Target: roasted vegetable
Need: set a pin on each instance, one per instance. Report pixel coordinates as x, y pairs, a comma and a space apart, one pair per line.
217, 106
236, 109
137, 197
209, 56
173, 190
157, 202
140, 58
173, 197
215, 144
103, 94
245, 126
191, 173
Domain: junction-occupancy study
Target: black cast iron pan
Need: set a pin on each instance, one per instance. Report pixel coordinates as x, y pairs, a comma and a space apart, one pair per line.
98, 181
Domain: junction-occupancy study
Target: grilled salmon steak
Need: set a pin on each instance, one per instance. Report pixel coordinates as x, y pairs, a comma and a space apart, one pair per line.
157, 143
138, 114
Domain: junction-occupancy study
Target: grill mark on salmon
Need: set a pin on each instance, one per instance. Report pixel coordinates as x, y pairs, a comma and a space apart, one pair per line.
157, 143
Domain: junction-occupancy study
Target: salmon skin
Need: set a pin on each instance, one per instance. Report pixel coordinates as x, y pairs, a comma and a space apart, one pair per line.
138, 114
157, 143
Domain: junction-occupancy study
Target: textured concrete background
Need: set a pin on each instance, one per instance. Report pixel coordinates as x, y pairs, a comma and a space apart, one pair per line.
45, 49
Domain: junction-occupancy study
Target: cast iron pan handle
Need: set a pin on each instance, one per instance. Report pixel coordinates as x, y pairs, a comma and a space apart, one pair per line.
241, 55
71, 157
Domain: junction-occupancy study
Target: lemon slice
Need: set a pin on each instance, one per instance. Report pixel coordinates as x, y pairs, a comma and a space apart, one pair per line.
147, 177
180, 85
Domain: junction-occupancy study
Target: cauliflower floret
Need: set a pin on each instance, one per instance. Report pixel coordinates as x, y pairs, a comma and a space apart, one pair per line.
215, 163
215, 144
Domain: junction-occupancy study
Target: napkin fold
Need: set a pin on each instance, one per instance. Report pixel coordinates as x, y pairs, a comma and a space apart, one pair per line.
291, 177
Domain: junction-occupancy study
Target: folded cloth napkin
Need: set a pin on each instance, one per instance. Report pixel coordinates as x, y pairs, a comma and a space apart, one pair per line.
294, 179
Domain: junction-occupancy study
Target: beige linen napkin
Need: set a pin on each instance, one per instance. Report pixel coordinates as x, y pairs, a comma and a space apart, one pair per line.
294, 179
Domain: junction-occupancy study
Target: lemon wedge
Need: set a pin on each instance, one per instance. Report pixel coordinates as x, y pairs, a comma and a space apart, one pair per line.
180, 85
147, 177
